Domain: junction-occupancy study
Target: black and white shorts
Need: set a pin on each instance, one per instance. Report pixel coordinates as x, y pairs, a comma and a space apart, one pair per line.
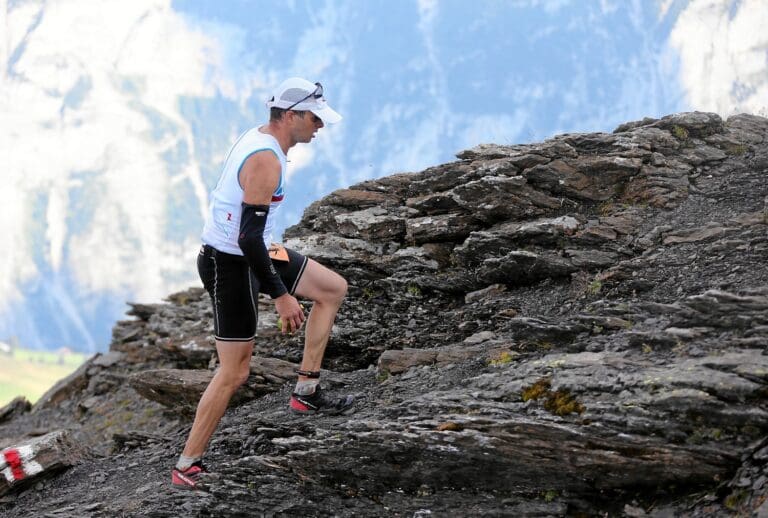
234, 290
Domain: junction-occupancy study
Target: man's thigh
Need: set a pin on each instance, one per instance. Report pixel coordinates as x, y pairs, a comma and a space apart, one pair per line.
319, 282
234, 354
291, 271
233, 294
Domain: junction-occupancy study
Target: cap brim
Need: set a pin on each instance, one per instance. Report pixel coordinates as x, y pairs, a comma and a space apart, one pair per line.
327, 114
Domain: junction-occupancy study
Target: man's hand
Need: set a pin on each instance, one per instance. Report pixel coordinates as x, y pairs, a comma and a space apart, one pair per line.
291, 313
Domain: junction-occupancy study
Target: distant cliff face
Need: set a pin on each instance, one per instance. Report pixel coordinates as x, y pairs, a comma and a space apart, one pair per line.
575, 326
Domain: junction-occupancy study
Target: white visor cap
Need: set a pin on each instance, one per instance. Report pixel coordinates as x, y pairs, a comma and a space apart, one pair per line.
300, 95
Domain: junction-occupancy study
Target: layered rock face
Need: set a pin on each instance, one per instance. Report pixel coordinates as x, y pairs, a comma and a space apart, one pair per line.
574, 327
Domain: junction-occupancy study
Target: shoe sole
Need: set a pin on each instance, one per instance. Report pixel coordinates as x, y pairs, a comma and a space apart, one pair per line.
347, 410
183, 488
192, 485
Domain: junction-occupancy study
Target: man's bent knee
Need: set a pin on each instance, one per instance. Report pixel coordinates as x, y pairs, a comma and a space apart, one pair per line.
341, 289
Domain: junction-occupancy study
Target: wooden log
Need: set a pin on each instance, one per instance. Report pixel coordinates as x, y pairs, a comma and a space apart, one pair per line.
37, 458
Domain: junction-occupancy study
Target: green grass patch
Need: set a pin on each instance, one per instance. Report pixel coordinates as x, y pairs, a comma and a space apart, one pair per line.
736, 499
736, 150
504, 358
680, 132
414, 290
550, 495
28, 373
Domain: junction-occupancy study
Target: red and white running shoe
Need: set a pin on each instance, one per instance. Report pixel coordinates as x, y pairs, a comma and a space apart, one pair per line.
188, 478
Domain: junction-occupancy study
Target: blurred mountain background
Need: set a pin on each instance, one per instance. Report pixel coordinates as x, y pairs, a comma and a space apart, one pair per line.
115, 116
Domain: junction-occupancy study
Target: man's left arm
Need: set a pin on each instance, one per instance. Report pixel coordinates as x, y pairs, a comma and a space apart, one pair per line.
260, 176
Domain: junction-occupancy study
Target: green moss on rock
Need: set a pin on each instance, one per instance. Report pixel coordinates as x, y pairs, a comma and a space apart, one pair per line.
559, 402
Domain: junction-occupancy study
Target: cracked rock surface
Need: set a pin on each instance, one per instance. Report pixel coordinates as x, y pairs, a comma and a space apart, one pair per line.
576, 327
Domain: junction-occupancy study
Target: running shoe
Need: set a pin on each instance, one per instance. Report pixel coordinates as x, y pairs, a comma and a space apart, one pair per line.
318, 402
188, 478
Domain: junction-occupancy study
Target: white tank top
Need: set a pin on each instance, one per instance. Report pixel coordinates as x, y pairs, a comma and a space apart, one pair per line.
222, 226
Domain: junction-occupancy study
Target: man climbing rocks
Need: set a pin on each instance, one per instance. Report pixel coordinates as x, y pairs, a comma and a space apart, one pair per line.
237, 261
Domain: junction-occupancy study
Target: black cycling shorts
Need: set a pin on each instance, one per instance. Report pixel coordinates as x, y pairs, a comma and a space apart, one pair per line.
234, 290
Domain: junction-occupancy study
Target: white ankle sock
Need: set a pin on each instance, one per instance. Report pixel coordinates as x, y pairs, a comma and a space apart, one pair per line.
185, 462
305, 388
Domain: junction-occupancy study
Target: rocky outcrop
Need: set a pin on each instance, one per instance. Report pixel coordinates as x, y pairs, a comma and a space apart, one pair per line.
574, 327
18, 406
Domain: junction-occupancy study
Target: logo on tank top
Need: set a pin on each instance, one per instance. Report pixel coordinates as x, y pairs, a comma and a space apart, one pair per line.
229, 216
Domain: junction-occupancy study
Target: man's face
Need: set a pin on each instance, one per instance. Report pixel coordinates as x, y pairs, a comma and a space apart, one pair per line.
305, 126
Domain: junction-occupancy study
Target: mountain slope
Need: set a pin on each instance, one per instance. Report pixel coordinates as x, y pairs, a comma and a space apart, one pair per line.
576, 326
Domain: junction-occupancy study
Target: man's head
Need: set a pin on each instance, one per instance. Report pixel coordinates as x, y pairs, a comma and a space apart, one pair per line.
299, 95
